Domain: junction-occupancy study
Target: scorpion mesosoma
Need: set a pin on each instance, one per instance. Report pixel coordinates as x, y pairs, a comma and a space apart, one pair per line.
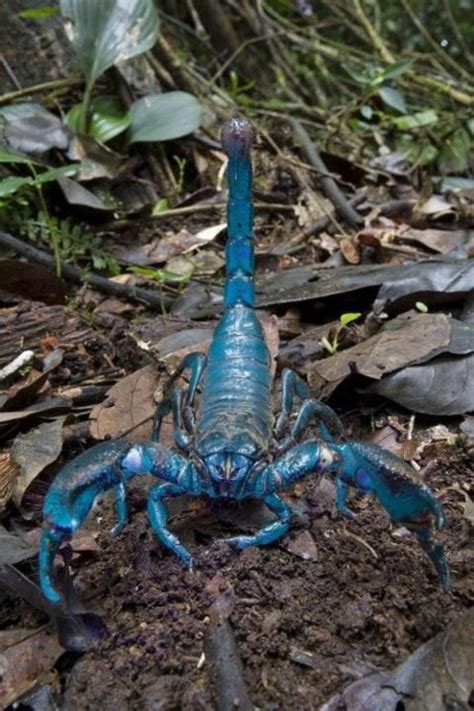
226, 448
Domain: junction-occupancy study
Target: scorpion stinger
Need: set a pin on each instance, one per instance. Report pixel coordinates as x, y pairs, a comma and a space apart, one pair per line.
230, 448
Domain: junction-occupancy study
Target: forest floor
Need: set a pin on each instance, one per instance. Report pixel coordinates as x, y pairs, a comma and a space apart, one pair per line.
344, 299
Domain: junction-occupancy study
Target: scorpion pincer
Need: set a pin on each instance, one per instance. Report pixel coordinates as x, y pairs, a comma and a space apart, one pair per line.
227, 444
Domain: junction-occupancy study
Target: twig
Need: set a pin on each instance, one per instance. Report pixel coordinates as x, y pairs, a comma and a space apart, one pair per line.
315, 228
349, 534
225, 668
328, 184
10, 73
73, 274
372, 33
38, 88
189, 210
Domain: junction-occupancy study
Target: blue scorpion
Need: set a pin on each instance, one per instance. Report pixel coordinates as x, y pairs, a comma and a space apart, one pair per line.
226, 446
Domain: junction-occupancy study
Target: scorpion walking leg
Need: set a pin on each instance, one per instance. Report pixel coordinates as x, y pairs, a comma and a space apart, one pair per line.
291, 385
120, 507
158, 515
196, 362
270, 533
294, 386
181, 436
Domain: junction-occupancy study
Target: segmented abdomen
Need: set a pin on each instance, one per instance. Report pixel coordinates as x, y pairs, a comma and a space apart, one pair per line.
235, 412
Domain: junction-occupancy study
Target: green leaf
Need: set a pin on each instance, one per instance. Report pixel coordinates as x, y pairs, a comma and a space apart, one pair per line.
107, 120
55, 173
361, 76
39, 13
161, 206
367, 112
418, 120
455, 152
345, 319
7, 157
392, 98
396, 69
105, 32
162, 117
11, 185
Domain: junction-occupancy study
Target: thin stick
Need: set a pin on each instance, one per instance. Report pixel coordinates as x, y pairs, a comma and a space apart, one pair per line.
328, 184
74, 275
190, 210
38, 88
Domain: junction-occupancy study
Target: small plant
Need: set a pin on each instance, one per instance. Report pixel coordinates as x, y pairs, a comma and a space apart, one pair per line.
344, 320
15, 184
107, 33
166, 276
74, 241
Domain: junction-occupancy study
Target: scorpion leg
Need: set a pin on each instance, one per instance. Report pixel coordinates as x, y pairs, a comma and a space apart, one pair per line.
304, 459
272, 531
196, 362
158, 515
291, 385
181, 437
393, 482
329, 423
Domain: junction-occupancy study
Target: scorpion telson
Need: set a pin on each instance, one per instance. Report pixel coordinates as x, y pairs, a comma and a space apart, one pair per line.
227, 445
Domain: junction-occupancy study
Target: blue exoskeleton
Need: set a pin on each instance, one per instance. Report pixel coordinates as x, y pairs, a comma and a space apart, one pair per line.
227, 446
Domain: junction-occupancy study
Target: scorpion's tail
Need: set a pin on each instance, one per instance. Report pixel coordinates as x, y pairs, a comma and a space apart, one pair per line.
236, 141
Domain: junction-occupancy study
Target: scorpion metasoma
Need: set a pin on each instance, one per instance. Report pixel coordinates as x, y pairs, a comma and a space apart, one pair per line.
226, 445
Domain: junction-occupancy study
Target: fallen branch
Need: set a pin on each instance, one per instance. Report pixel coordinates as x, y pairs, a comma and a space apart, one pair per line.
76, 276
225, 668
328, 184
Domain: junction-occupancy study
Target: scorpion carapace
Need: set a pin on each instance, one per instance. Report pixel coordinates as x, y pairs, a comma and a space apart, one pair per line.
227, 445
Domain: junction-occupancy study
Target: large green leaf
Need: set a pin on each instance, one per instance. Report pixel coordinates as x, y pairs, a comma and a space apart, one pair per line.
105, 32
162, 117
107, 118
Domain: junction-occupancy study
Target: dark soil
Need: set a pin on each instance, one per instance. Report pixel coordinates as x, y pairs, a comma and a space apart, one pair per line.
305, 628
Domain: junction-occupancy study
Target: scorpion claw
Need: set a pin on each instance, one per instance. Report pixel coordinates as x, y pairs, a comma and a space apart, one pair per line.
51, 539
407, 501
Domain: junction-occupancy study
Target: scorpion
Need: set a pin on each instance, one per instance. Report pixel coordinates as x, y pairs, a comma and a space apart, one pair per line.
226, 445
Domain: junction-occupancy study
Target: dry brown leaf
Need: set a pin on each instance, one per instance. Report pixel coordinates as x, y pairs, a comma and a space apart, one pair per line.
8, 472
33, 451
405, 341
26, 663
129, 403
